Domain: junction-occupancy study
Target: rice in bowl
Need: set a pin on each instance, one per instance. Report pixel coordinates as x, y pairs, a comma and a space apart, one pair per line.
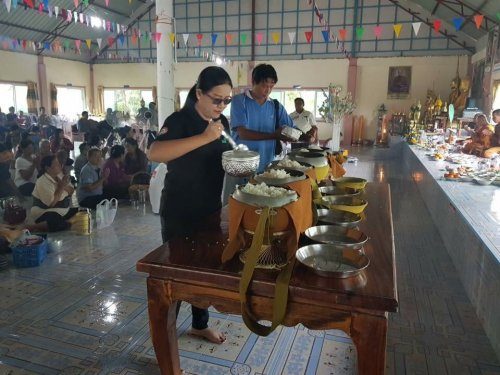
275, 173
264, 190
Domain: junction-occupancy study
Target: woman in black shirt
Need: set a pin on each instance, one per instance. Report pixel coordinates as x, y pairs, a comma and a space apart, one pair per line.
190, 142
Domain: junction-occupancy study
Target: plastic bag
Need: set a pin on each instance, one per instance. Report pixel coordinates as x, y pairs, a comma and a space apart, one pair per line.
156, 186
106, 212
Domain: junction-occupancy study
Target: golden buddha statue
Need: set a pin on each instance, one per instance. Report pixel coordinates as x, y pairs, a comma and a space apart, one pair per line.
455, 90
461, 101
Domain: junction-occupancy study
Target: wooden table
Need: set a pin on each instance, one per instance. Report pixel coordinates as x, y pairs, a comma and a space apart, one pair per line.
190, 270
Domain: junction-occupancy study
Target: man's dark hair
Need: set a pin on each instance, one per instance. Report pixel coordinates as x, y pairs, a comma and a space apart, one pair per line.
85, 113
299, 100
263, 72
82, 146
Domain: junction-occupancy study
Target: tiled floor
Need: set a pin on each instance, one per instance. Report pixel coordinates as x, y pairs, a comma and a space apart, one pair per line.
84, 310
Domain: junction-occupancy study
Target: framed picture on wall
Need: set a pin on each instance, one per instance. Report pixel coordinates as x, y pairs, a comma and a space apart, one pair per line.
399, 82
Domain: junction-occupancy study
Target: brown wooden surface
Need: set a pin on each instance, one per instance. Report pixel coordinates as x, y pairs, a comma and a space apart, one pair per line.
190, 270
197, 260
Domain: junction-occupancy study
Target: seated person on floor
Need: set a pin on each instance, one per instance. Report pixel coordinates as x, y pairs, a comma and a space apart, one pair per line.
92, 178
480, 139
7, 186
495, 142
59, 142
118, 182
52, 197
66, 163
135, 159
26, 172
81, 159
43, 151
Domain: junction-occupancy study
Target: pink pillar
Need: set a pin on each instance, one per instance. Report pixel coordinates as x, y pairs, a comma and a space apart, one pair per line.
351, 87
42, 82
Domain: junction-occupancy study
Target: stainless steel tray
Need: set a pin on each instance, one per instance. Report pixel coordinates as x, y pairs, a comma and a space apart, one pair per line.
337, 190
294, 176
342, 218
263, 201
332, 260
337, 235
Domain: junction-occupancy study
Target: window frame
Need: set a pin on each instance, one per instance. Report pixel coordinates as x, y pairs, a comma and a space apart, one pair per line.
14, 84
317, 90
135, 88
66, 86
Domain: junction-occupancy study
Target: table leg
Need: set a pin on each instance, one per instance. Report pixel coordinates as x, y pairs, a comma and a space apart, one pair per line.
162, 312
369, 333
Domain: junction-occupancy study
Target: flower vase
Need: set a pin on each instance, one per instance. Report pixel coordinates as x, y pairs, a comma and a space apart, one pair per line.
336, 130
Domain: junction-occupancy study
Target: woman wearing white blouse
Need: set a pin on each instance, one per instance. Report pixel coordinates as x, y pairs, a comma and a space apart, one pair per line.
25, 167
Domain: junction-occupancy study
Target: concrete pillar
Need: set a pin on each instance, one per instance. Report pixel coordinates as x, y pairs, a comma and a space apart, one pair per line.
352, 76
42, 82
165, 60
91, 102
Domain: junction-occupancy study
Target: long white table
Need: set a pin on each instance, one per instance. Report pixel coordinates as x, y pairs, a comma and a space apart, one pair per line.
468, 219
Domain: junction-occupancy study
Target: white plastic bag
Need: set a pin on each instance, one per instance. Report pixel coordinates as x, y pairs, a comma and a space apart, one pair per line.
156, 186
106, 212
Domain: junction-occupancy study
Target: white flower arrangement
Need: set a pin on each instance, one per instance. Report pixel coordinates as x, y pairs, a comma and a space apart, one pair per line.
336, 106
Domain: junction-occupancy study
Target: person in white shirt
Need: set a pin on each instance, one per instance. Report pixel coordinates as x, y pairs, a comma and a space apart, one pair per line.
305, 121
25, 167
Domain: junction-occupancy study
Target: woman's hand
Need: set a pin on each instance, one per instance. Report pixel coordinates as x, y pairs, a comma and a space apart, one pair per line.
213, 131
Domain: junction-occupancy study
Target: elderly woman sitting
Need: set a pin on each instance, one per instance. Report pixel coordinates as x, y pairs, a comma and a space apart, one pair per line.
52, 197
481, 138
135, 159
118, 182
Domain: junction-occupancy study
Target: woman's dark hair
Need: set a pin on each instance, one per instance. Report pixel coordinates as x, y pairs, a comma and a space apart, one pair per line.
25, 143
117, 151
124, 131
131, 142
263, 72
209, 78
46, 163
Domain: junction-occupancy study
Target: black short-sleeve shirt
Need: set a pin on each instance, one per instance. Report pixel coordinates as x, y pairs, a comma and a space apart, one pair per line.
193, 184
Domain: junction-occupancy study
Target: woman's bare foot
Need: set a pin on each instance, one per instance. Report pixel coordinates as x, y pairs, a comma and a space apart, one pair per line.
209, 334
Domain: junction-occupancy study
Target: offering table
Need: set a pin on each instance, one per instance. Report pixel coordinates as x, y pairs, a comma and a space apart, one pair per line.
189, 269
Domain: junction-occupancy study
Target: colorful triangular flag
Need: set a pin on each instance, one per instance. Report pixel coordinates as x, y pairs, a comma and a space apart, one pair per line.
107, 3
8, 4
397, 29
437, 25
360, 31
259, 37
89, 43
458, 22
478, 19
229, 38
185, 37
40, 8
99, 41
157, 37
309, 36
326, 35
78, 43
121, 38
199, 38
76, 3
214, 38
416, 27
291, 36
377, 31
342, 34
276, 37
243, 39
172, 38
56, 11
111, 40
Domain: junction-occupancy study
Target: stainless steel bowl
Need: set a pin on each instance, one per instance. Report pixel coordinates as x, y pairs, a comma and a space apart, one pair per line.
344, 203
263, 201
341, 218
276, 165
336, 190
240, 163
332, 260
332, 234
294, 176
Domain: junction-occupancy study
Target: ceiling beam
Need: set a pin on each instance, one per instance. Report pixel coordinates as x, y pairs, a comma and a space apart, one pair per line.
139, 13
451, 37
34, 29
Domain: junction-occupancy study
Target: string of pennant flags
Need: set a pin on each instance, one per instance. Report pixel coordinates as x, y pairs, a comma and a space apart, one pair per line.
196, 40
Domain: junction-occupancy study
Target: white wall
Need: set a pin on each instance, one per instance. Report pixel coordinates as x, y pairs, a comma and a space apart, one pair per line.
62, 72
433, 73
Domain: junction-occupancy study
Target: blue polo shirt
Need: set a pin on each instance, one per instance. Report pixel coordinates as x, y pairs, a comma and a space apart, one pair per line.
246, 112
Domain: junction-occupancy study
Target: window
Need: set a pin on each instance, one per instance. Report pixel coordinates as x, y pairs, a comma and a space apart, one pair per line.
496, 95
13, 95
127, 100
70, 101
313, 98
183, 96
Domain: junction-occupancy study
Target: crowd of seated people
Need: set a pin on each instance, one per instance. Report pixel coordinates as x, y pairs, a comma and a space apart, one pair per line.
34, 165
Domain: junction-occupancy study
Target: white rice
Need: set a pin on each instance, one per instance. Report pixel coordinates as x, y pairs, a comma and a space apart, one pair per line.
263, 190
287, 163
275, 173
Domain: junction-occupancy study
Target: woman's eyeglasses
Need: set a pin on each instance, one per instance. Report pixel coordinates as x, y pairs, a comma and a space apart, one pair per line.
217, 101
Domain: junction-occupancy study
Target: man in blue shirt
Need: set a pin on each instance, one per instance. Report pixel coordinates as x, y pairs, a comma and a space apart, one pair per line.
253, 121
91, 180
